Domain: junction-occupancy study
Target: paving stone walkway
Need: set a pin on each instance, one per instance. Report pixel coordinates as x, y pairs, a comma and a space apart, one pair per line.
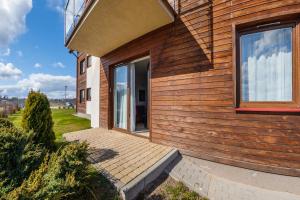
119, 156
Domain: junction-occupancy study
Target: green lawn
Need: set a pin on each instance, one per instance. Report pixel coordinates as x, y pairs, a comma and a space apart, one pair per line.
64, 121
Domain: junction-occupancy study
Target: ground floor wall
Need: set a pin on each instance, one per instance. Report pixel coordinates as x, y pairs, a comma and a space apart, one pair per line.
192, 89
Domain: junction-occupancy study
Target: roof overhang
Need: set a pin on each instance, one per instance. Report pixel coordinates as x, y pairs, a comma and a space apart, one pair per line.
109, 24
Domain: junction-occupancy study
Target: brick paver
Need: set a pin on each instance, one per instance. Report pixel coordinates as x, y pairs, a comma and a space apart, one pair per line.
121, 157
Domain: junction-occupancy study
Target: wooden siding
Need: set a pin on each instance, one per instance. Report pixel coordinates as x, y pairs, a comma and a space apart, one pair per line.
192, 88
81, 85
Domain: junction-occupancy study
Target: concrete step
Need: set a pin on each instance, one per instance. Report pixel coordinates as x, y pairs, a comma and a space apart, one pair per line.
133, 188
83, 115
222, 182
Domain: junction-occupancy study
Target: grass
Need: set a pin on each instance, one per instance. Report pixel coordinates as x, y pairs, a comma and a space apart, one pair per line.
166, 188
64, 122
16, 119
180, 191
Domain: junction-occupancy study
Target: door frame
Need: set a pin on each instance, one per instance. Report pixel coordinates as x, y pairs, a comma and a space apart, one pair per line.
113, 99
111, 94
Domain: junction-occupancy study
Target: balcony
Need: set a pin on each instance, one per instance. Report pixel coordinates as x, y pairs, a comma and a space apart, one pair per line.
99, 26
73, 12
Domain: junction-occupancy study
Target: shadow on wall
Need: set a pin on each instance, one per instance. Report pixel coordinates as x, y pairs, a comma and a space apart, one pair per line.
183, 47
188, 48
100, 155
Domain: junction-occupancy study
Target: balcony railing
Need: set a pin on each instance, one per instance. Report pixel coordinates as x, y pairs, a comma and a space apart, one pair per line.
74, 10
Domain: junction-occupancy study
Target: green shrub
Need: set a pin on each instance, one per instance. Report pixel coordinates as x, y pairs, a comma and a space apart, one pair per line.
37, 117
63, 174
5, 123
12, 143
18, 158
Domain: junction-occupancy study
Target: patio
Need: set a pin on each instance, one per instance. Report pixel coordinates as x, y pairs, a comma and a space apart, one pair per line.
127, 161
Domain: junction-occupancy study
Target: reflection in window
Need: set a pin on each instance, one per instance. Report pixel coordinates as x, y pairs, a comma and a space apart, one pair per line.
266, 65
120, 97
81, 97
82, 67
89, 61
88, 94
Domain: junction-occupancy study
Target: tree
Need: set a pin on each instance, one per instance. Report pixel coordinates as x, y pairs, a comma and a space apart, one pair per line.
37, 117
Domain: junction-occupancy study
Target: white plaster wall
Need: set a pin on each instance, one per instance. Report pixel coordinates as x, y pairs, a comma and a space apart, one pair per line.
93, 82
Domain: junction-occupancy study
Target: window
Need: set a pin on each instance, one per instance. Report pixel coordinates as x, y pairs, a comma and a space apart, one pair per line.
88, 94
266, 69
82, 66
89, 61
81, 96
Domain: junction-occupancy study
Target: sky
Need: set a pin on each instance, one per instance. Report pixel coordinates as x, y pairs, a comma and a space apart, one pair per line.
32, 52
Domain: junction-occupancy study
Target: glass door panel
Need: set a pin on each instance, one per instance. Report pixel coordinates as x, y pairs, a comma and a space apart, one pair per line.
120, 96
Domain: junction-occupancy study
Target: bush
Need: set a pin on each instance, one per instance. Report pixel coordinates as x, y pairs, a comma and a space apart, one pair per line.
63, 174
5, 123
37, 117
12, 143
18, 157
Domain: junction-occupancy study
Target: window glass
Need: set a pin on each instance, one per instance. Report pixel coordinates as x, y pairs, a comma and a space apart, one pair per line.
81, 96
89, 61
266, 66
82, 66
120, 96
88, 94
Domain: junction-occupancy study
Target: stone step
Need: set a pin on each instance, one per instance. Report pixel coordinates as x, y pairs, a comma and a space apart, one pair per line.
222, 182
133, 188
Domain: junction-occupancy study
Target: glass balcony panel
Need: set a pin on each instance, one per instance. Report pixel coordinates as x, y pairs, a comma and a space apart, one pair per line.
73, 11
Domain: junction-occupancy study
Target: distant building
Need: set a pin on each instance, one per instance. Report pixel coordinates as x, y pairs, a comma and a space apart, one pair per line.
7, 107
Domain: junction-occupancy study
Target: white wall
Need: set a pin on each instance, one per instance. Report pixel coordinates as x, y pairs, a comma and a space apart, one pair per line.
93, 82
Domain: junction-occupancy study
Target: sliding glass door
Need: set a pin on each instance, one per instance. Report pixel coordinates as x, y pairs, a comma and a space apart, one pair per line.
130, 96
120, 96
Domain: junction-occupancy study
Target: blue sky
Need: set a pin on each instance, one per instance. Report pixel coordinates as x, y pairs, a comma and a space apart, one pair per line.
32, 52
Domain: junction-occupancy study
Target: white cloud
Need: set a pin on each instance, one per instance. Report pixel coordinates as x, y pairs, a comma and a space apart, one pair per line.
57, 5
53, 86
272, 41
46, 82
3, 91
20, 53
9, 71
5, 52
13, 19
37, 65
59, 64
